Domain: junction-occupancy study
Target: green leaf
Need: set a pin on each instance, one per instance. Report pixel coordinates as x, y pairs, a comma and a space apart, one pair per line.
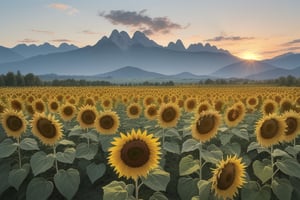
204, 189
172, 133
262, 170
130, 189
172, 147
187, 187
4, 171
158, 196
67, 182
282, 188
17, 176
157, 179
39, 189
289, 166
76, 131
95, 171
66, 142
293, 150
280, 153
83, 150
7, 147
188, 165
252, 191
225, 138
212, 156
29, 144
67, 156
116, 190
241, 133
190, 145
258, 147
93, 136
232, 149
40, 162
105, 141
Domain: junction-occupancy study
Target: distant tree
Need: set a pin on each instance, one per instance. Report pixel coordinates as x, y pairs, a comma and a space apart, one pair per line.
20, 79
29, 79
2, 80
10, 79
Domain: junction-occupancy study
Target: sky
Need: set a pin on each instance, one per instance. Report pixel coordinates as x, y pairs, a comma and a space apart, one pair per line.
253, 29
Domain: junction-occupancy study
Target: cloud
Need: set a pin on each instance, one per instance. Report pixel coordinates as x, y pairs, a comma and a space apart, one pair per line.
42, 31
89, 32
290, 49
62, 40
27, 40
297, 41
228, 38
64, 7
141, 21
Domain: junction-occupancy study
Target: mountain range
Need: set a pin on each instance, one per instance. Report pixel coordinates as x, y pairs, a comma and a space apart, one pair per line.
109, 57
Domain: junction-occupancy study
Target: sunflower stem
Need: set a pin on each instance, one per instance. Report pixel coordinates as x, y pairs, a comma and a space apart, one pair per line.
163, 138
54, 152
294, 142
137, 188
272, 164
19, 153
200, 160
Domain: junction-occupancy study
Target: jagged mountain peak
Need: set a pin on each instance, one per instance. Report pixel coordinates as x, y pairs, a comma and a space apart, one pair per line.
178, 46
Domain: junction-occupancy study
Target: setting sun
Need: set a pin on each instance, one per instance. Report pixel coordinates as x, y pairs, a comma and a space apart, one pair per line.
250, 56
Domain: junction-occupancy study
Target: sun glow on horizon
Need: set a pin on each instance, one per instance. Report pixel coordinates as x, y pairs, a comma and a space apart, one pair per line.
250, 56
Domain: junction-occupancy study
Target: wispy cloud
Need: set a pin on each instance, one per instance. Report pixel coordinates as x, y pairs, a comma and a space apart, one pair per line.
89, 32
228, 38
290, 49
296, 41
28, 40
62, 40
42, 31
65, 8
141, 21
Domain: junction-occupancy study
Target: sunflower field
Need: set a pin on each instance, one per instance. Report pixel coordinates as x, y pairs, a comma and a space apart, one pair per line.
156, 143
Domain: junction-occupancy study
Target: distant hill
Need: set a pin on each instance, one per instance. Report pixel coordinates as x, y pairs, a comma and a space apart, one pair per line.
275, 73
243, 69
7, 55
286, 61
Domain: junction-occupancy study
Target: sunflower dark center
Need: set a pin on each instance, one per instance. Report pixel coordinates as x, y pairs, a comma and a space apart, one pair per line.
39, 106
152, 111
106, 103
169, 114
68, 110
286, 106
205, 124
30, 109
134, 110
46, 128
226, 177
252, 101
202, 108
218, 105
233, 114
269, 108
90, 102
16, 105
135, 153
191, 104
54, 106
88, 117
1, 108
14, 123
292, 125
149, 101
269, 129
106, 122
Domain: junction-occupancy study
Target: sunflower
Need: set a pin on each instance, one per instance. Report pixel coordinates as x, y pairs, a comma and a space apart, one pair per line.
270, 130
89, 101
134, 155
16, 104
2, 107
107, 122
38, 106
67, 111
206, 125
150, 112
13, 123
148, 100
292, 120
87, 116
252, 102
286, 105
134, 110
203, 106
168, 115
53, 105
228, 177
46, 128
29, 109
106, 103
190, 104
269, 107
234, 114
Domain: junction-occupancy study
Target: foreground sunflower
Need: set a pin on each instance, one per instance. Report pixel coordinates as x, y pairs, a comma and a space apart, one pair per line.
234, 114
190, 104
134, 110
270, 130
292, 120
107, 122
134, 155
46, 128
269, 107
228, 177
168, 115
67, 112
13, 123
206, 125
86, 116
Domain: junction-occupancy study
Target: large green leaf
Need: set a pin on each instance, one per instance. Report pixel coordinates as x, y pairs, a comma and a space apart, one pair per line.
172, 147
105, 141
241, 133
256, 146
7, 147
39, 189
29, 144
188, 165
67, 156
280, 153
232, 148
252, 191
41, 162
293, 150
263, 170
83, 150
4, 171
289, 166
187, 187
67, 182
157, 179
212, 156
116, 190
190, 145
225, 138
158, 196
75, 131
172, 133
95, 171
282, 188
204, 189
17, 176
65, 142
